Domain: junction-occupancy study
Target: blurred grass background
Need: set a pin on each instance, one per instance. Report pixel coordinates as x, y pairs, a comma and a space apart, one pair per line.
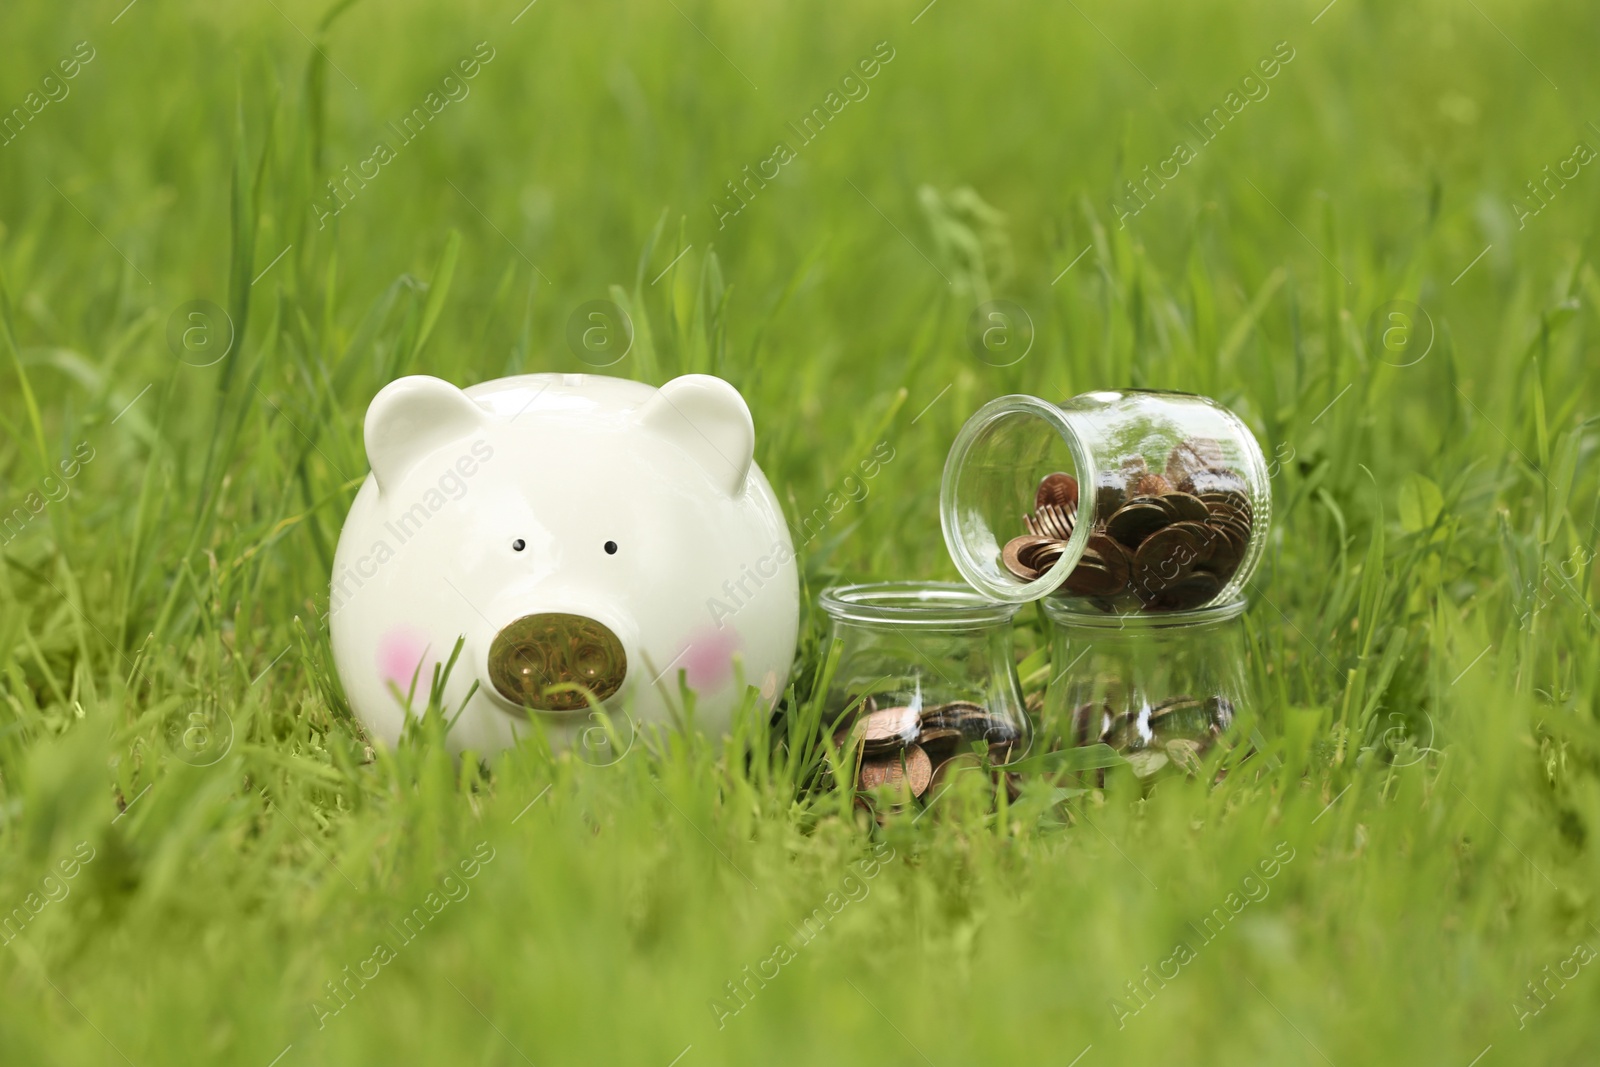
1424, 635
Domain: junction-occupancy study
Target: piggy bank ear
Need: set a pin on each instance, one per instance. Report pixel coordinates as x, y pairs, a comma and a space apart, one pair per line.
411, 417
708, 419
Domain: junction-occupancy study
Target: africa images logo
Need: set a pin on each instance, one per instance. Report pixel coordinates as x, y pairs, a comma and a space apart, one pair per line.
856, 88
52, 89
407, 522
1251, 88
347, 184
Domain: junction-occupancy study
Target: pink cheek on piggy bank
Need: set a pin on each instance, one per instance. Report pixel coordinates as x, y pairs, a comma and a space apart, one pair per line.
400, 652
708, 662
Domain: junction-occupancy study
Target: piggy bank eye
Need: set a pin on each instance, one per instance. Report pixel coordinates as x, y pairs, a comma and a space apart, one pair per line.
518, 545
611, 548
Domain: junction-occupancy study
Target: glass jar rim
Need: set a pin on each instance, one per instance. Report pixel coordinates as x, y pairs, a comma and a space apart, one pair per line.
914, 604
1004, 407
1066, 615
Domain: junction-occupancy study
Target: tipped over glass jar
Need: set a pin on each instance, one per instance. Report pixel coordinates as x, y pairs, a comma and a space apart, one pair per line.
1117, 502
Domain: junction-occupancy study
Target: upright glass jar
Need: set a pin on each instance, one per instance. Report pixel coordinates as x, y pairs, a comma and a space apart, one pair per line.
924, 686
1161, 689
1129, 502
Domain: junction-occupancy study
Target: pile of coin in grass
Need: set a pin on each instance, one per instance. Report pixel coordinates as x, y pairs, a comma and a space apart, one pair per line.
1165, 541
906, 755
1174, 734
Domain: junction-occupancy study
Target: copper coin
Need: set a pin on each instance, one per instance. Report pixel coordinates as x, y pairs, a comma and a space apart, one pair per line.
1184, 507
956, 716
1215, 499
911, 769
1169, 556
1058, 489
1058, 520
1012, 553
940, 743
1043, 557
1135, 521
1238, 530
1102, 571
1149, 484
1242, 524
1237, 523
1227, 517
959, 715
1227, 551
879, 770
1204, 536
1050, 522
1092, 579
1222, 565
1040, 557
1113, 557
919, 769
1233, 524
950, 712
888, 729
1235, 533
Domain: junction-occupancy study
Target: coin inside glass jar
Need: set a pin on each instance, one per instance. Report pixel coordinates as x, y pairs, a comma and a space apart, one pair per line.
958, 731
1135, 521
886, 730
1162, 541
1057, 490
909, 767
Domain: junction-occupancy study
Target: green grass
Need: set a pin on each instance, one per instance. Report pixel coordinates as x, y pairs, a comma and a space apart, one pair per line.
1413, 587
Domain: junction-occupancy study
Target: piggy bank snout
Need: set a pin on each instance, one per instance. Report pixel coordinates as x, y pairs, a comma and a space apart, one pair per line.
555, 661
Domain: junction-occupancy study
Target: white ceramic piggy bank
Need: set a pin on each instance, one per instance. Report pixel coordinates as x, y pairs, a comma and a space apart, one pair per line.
587, 536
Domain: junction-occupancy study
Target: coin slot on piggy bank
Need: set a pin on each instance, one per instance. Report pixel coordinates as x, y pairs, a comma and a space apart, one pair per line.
1125, 502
